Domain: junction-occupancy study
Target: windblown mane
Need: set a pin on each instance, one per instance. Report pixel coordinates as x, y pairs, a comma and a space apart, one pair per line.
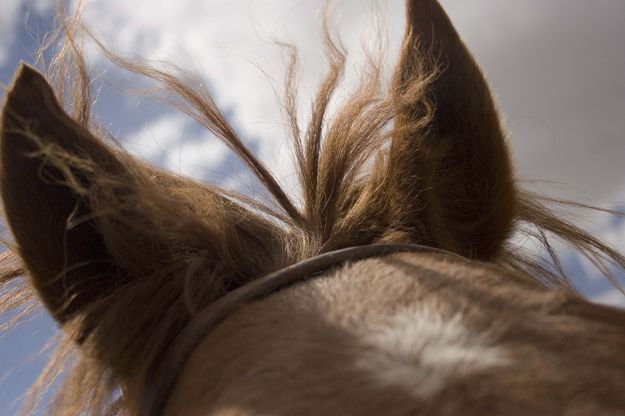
349, 166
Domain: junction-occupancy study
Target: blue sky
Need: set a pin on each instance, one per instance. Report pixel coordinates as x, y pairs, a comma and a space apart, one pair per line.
555, 67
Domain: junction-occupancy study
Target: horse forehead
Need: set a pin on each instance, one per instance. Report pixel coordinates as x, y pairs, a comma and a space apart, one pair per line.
403, 330
412, 335
371, 322
419, 349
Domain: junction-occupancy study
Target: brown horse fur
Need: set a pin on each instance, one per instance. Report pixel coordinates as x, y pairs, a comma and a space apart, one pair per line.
123, 255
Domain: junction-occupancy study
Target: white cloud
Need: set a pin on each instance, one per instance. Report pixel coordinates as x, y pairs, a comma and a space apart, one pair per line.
611, 298
558, 81
164, 142
10, 17
232, 47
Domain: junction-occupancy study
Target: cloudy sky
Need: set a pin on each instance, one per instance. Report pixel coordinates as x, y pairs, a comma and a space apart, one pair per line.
556, 68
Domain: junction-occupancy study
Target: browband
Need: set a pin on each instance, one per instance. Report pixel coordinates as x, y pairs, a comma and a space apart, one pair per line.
158, 388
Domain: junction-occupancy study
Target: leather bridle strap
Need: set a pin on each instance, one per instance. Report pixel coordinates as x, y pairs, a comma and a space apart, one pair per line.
160, 386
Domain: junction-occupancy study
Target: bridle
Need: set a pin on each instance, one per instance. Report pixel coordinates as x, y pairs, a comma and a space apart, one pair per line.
159, 387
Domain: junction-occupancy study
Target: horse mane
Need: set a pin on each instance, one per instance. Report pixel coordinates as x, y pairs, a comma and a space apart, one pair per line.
341, 161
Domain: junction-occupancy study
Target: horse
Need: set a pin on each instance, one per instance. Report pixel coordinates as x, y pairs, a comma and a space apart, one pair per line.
393, 287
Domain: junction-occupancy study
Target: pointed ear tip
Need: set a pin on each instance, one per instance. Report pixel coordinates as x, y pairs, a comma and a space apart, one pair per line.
25, 69
414, 5
27, 86
26, 77
420, 12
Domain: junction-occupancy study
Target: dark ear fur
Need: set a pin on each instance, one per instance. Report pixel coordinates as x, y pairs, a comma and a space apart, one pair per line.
459, 162
88, 220
69, 265
112, 245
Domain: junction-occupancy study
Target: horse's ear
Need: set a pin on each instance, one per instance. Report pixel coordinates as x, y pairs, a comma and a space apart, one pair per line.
451, 159
69, 263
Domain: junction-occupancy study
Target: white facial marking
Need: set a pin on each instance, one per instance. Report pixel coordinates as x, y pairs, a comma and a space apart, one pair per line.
421, 351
